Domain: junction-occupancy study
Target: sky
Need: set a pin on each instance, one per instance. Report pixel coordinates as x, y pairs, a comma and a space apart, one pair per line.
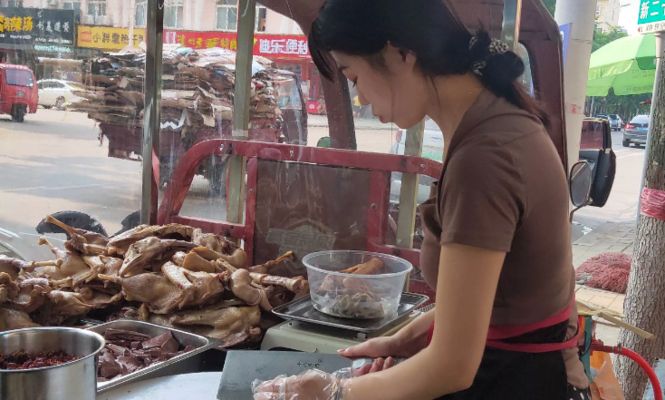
628, 16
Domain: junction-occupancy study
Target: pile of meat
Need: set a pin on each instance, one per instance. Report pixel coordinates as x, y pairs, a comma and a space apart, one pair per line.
173, 275
197, 92
347, 296
23, 360
128, 351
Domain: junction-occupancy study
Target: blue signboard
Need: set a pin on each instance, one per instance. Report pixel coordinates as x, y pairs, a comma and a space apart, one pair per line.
565, 38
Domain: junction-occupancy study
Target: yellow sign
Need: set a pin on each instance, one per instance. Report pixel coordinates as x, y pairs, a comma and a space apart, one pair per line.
15, 24
107, 38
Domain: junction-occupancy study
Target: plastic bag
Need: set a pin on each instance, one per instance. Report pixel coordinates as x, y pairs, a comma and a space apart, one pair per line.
312, 384
605, 385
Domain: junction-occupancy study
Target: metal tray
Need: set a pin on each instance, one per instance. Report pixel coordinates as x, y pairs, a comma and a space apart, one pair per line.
302, 310
200, 344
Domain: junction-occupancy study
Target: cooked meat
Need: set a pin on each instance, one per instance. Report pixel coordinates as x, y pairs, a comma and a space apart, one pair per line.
149, 250
120, 244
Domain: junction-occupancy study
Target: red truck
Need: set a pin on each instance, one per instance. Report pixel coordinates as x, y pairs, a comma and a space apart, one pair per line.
18, 91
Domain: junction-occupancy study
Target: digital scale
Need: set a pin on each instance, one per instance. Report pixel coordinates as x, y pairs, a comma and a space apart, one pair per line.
309, 330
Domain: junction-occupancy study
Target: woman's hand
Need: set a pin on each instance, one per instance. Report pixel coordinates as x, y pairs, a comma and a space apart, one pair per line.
382, 350
310, 385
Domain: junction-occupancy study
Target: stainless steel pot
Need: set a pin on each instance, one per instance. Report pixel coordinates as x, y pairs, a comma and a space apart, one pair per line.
73, 380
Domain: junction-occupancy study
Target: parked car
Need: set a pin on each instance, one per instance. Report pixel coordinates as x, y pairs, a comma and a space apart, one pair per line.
636, 131
616, 123
57, 93
18, 92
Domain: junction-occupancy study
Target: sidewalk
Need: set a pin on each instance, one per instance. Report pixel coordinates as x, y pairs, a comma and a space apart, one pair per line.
608, 237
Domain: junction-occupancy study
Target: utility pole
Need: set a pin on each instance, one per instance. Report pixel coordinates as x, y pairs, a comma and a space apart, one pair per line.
644, 306
581, 14
132, 22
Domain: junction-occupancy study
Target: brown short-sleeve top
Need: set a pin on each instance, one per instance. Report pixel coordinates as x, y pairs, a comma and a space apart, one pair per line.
503, 187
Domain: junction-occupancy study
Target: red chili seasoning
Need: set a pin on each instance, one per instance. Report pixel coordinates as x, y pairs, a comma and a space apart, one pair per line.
23, 360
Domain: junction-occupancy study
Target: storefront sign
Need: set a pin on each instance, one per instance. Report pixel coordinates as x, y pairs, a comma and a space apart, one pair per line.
271, 46
29, 26
266, 45
107, 38
652, 16
50, 48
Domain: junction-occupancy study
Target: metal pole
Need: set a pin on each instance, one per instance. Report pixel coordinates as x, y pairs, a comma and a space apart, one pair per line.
132, 22
408, 197
510, 28
151, 121
581, 15
241, 103
246, 18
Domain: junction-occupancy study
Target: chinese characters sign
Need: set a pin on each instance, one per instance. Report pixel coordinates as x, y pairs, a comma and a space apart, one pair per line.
107, 38
271, 46
29, 26
266, 45
652, 16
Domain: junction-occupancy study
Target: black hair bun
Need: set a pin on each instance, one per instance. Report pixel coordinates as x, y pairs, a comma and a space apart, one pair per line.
497, 70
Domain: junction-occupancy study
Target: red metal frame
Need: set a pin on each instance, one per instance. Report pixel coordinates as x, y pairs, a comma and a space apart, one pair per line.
379, 165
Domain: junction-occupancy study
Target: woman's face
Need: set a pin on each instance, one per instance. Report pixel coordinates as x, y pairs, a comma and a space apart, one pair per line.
397, 90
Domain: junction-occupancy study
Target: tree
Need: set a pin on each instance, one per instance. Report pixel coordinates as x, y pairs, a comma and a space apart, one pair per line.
601, 38
644, 306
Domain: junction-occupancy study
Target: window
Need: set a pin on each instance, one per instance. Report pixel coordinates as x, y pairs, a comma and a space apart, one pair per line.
227, 15
15, 3
71, 5
96, 8
261, 13
141, 16
173, 14
18, 77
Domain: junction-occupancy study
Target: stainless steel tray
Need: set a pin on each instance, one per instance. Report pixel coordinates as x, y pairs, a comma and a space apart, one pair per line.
200, 344
302, 310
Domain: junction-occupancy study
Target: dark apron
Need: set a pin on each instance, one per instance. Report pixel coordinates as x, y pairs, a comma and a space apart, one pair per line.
524, 362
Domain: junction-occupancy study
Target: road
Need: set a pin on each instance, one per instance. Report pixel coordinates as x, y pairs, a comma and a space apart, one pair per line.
54, 161
622, 203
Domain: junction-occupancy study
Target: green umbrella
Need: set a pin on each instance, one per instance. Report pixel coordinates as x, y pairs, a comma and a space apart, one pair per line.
628, 65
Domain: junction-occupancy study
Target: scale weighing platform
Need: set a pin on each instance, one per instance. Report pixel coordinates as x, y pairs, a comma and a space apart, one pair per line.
309, 330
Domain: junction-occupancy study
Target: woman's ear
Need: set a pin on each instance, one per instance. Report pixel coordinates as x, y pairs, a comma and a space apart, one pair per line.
395, 56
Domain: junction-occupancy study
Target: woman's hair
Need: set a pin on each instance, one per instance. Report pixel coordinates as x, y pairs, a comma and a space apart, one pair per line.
441, 44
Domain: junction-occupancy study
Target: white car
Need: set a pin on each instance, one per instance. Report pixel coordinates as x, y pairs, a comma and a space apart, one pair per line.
57, 93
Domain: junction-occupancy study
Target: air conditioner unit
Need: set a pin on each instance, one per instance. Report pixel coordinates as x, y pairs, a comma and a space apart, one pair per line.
53, 3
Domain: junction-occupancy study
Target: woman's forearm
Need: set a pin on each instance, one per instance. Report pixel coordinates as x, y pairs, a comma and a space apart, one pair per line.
424, 376
416, 330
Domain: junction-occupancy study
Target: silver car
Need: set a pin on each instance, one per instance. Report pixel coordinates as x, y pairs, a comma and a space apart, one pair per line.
636, 131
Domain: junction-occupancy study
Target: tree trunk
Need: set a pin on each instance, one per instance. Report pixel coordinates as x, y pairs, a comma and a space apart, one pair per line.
644, 306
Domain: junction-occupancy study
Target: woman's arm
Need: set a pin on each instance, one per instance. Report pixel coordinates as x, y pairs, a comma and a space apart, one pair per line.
468, 277
406, 342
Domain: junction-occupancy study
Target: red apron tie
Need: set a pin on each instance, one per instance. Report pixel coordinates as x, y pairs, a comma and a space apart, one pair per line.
498, 333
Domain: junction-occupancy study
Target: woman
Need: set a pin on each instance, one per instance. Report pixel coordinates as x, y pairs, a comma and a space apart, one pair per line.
497, 246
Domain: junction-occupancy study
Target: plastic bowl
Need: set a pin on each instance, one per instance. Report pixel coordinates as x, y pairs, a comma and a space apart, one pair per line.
355, 296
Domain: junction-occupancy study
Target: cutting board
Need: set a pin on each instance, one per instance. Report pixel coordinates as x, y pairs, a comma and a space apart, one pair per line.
243, 366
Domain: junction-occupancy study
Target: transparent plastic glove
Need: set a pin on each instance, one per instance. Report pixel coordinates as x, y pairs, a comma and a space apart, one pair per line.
312, 384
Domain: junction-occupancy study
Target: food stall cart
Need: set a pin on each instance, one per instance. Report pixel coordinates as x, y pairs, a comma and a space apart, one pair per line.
281, 199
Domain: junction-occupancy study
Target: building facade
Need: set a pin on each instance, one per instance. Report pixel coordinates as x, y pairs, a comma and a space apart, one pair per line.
607, 14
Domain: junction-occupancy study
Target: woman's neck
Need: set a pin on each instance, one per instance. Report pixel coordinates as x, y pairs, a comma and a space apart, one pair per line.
451, 97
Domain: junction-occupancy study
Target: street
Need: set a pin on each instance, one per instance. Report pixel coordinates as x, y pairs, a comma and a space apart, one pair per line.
54, 161
622, 203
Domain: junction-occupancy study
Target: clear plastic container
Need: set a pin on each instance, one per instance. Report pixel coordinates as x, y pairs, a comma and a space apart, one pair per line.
356, 295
